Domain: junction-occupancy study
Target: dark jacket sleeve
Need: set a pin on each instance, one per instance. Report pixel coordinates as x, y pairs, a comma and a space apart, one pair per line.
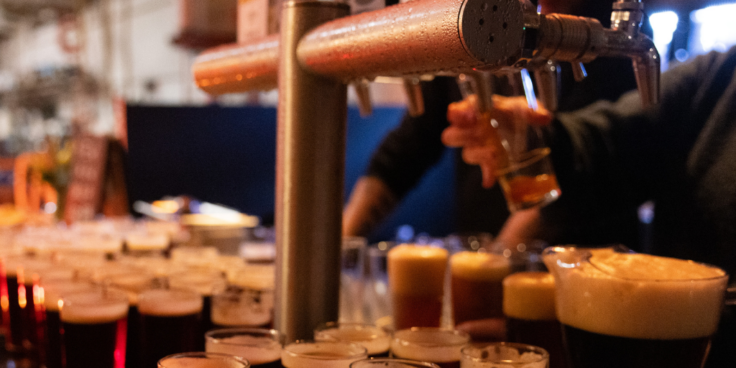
611, 157
408, 151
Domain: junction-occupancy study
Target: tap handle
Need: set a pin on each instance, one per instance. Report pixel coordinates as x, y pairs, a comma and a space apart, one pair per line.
415, 99
548, 83
363, 93
578, 71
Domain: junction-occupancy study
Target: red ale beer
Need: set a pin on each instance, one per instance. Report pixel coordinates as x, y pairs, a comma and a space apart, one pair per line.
416, 276
476, 285
529, 305
635, 310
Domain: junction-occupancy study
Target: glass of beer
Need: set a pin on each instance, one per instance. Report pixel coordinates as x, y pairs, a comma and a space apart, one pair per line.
170, 323
416, 277
428, 344
133, 284
202, 360
50, 338
206, 282
623, 309
376, 340
94, 325
476, 285
330, 354
391, 363
249, 299
529, 305
261, 347
504, 355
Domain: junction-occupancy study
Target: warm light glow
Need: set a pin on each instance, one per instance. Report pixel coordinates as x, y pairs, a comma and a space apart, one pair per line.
165, 206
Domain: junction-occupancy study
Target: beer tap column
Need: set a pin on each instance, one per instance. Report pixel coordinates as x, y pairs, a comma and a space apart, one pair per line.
310, 160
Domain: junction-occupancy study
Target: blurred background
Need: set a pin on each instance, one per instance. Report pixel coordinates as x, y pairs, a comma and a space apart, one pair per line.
121, 69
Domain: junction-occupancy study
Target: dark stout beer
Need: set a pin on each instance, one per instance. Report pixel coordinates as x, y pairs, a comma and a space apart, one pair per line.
261, 347
376, 340
636, 310
50, 348
416, 277
94, 326
170, 323
476, 285
207, 283
333, 354
439, 346
529, 304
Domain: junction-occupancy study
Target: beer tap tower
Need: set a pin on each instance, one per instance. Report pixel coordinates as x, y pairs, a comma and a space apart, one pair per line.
321, 49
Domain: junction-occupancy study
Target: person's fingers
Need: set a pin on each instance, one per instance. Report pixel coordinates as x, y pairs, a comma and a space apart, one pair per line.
459, 137
540, 117
480, 154
462, 113
488, 174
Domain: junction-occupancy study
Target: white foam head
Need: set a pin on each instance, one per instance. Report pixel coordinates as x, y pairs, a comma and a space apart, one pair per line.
169, 303
257, 345
203, 281
429, 344
504, 355
637, 295
374, 339
417, 269
202, 360
480, 266
238, 308
54, 291
530, 296
321, 354
255, 276
94, 307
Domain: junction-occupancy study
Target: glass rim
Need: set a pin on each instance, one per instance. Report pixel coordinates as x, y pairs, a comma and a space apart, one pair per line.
524, 159
109, 296
364, 326
357, 351
536, 349
204, 354
397, 336
275, 334
415, 363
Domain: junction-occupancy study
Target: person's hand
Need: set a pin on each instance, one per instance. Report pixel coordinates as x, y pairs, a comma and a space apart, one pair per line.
479, 135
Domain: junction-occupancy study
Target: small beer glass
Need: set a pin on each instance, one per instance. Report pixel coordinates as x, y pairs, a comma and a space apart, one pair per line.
391, 363
261, 347
333, 354
436, 345
202, 360
94, 326
375, 339
504, 355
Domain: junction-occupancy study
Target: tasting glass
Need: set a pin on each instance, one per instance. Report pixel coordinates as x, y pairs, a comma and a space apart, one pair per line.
202, 360
504, 355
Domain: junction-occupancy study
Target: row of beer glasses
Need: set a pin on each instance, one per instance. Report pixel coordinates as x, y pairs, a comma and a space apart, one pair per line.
611, 307
168, 304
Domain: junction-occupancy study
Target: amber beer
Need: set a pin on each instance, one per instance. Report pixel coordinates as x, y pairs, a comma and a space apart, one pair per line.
94, 326
476, 285
261, 347
529, 305
636, 310
440, 346
416, 277
529, 180
170, 323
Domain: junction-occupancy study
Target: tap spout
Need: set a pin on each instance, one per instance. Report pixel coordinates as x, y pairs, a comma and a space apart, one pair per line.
645, 57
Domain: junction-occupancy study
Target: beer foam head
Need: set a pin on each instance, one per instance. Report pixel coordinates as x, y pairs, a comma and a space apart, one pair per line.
94, 307
374, 339
259, 348
529, 295
169, 303
53, 292
321, 354
205, 282
480, 266
636, 295
202, 360
504, 354
429, 344
255, 276
142, 241
417, 269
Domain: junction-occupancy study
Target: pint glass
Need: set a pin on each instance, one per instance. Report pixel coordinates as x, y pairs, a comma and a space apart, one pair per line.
416, 279
261, 347
94, 326
428, 344
622, 309
529, 305
202, 360
206, 282
476, 285
376, 340
170, 323
133, 284
50, 349
304, 354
